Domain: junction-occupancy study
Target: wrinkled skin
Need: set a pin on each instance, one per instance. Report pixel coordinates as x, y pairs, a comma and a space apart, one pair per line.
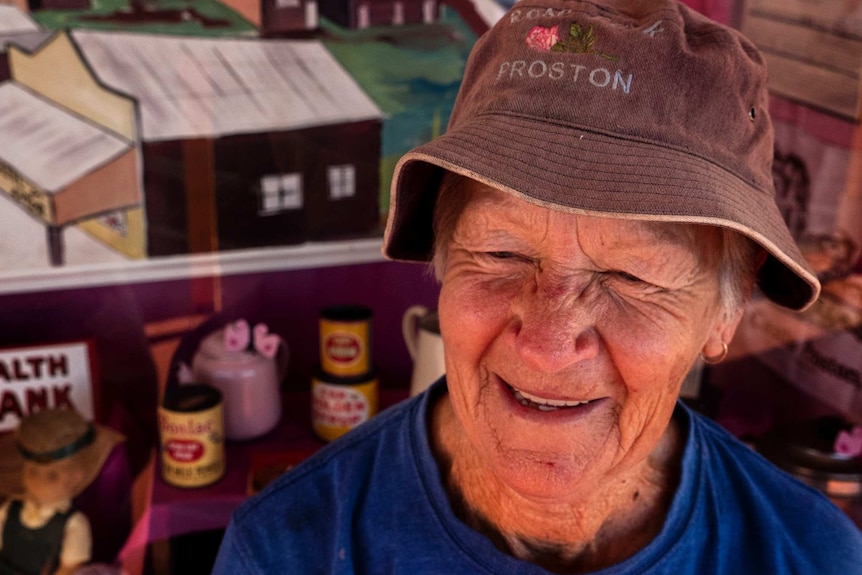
569, 308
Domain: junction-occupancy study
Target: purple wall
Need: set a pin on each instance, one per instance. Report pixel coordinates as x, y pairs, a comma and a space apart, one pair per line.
114, 317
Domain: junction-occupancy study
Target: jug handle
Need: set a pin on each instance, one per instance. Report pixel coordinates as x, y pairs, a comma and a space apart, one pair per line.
410, 329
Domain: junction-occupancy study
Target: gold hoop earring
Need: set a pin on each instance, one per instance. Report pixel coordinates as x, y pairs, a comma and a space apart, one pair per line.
717, 358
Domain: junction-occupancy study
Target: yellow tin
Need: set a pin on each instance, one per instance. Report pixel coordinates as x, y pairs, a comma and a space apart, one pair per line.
191, 427
345, 340
340, 404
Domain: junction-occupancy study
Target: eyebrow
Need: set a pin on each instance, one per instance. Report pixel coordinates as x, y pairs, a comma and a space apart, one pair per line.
680, 234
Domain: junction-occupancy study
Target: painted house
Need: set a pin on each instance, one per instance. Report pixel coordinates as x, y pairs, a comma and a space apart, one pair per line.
243, 142
16, 27
359, 14
15, 20
56, 165
69, 154
278, 17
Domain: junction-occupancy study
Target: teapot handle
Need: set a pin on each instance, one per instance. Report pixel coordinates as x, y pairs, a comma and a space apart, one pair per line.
184, 373
410, 328
282, 358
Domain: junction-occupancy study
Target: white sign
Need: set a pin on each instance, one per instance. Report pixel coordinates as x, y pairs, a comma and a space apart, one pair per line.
42, 377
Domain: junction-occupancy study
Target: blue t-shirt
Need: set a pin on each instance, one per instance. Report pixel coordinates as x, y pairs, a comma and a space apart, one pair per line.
373, 503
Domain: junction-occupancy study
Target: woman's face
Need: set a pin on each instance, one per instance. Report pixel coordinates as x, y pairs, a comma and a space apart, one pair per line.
567, 337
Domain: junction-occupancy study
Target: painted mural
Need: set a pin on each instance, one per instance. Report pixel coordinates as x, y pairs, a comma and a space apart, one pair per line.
134, 131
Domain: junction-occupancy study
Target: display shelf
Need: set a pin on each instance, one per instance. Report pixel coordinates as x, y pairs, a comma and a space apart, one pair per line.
304, 256
171, 511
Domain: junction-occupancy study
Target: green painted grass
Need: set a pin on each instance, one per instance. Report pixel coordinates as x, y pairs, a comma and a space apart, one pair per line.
234, 23
411, 72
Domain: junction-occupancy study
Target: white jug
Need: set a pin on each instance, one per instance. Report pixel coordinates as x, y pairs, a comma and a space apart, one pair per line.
421, 330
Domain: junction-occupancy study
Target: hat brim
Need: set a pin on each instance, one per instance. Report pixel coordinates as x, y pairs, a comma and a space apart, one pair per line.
592, 173
91, 459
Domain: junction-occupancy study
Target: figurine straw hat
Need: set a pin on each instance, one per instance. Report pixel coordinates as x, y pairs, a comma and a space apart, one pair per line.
53, 435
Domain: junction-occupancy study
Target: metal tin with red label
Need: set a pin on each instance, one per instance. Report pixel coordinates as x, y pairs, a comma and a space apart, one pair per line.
191, 427
345, 340
338, 404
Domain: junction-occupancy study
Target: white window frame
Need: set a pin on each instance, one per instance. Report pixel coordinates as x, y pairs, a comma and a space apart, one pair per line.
363, 16
280, 193
342, 181
311, 14
429, 11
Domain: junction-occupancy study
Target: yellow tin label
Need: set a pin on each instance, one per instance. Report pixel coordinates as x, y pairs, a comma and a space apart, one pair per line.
338, 408
344, 347
192, 446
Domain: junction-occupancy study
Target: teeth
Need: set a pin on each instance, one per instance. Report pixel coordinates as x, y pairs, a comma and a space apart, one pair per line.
541, 403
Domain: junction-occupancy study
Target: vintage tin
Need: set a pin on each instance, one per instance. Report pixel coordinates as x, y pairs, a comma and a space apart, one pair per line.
338, 404
191, 427
345, 340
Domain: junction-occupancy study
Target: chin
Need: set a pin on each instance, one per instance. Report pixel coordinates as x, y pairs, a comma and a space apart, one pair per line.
538, 476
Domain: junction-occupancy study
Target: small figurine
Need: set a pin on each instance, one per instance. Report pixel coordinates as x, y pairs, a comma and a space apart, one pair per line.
50, 459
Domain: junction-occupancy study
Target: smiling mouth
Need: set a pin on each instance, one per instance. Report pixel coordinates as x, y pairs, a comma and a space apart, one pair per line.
541, 403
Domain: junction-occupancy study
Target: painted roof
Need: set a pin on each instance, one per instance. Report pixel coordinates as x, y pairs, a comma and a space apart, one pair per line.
207, 87
48, 146
12, 19
28, 41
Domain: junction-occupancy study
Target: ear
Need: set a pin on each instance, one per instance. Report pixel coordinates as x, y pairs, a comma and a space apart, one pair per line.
722, 333
720, 336
724, 330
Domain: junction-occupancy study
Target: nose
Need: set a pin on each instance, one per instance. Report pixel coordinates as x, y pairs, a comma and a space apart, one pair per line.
553, 327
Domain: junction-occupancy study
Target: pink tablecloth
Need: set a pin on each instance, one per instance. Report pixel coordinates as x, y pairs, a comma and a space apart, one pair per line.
173, 511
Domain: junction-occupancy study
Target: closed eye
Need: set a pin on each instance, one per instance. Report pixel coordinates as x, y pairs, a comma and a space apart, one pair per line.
501, 255
627, 277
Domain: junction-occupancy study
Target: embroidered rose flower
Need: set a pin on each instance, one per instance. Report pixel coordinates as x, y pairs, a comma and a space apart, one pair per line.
542, 39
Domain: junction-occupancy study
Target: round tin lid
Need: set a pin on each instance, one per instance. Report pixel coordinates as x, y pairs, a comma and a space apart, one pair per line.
806, 450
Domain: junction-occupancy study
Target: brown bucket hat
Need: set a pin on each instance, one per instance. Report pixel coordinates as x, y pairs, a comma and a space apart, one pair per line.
52, 435
638, 109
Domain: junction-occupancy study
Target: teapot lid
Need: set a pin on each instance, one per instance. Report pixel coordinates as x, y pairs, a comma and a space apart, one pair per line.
213, 346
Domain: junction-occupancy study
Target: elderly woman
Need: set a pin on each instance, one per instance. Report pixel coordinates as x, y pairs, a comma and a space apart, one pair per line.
598, 213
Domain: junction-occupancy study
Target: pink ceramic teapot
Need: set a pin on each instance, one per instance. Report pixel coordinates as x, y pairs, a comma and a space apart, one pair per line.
247, 366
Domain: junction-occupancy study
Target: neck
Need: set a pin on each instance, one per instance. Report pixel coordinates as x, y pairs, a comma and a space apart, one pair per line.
591, 532
57, 504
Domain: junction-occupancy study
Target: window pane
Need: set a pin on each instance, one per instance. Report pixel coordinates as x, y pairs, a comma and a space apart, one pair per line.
342, 181
280, 192
291, 191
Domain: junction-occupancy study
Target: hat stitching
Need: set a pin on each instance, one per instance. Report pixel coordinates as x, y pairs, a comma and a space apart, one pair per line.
604, 16
663, 206
663, 182
579, 40
648, 143
603, 195
681, 162
589, 9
